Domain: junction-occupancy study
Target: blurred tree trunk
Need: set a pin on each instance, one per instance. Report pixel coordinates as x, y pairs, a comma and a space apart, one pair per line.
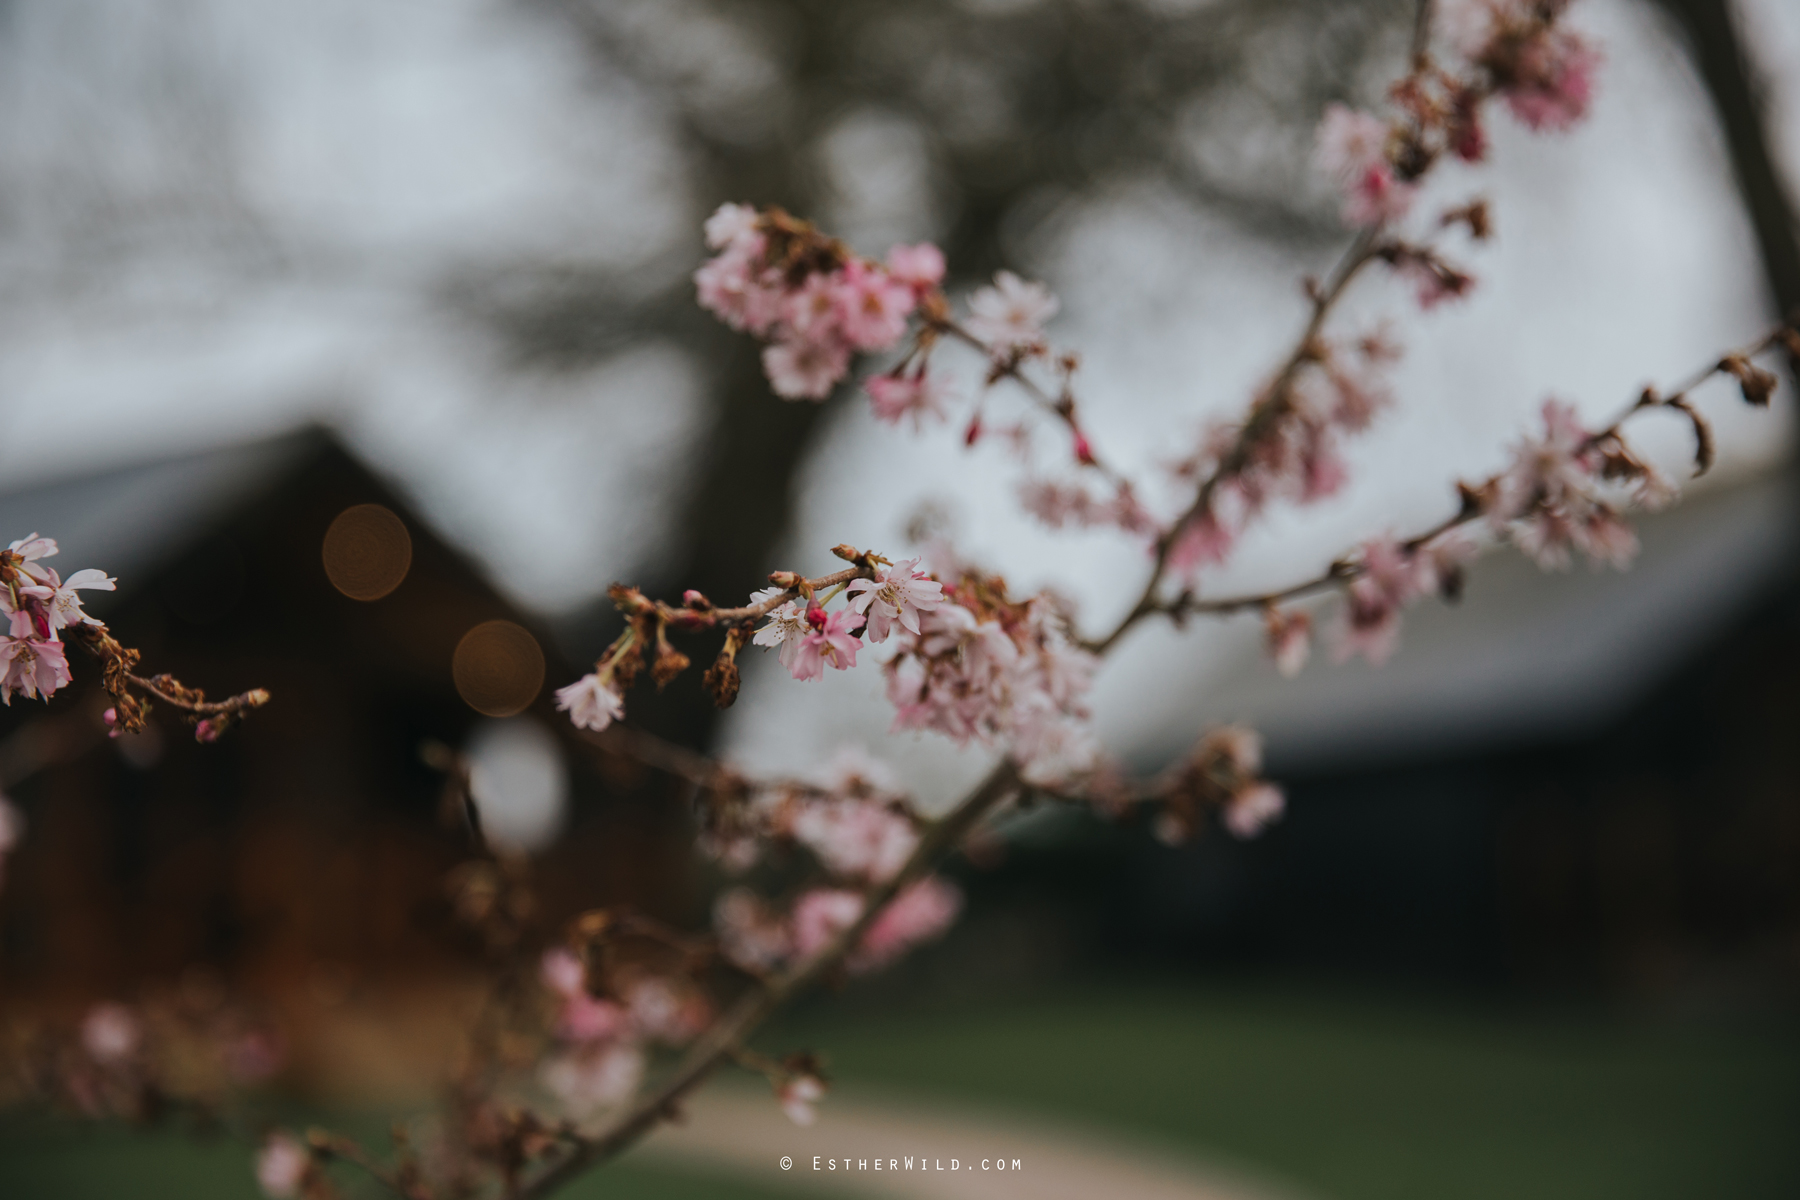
1714, 40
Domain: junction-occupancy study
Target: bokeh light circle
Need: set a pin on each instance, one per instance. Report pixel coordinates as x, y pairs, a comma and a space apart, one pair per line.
367, 552
498, 668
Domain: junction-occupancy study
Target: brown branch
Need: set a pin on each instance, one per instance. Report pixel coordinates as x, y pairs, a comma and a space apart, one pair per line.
719, 1043
172, 692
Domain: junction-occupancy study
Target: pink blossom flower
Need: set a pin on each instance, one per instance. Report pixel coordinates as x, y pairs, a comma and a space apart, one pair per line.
749, 934
872, 307
660, 1012
1550, 469
110, 1033
820, 916
1322, 469
580, 1017
786, 627
919, 267
1352, 148
805, 369
1253, 809
1011, 313
589, 1079
1605, 537
282, 1166
731, 286
1376, 197
62, 606
1392, 577
920, 397
730, 225
830, 640
562, 972
1202, 541
856, 839
898, 593
920, 913
1545, 501
798, 1095
1290, 639
30, 548
1053, 750
591, 702
1552, 80
814, 310
1348, 142
33, 667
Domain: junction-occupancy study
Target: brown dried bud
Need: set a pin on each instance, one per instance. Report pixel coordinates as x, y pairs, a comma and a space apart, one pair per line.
670, 662
1476, 216
1758, 384
722, 678
722, 682
784, 579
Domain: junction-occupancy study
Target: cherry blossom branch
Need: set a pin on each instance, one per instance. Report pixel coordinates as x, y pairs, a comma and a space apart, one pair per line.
128, 715
174, 693
1757, 383
1267, 411
716, 1046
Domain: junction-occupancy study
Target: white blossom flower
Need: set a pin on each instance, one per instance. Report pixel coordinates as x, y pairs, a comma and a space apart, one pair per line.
1011, 313
591, 702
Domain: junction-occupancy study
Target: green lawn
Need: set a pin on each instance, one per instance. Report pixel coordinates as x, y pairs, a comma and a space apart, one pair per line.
1352, 1100
44, 1160
1360, 1100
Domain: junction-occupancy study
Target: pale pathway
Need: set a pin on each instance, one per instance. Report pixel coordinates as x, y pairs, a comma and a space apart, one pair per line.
744, 1131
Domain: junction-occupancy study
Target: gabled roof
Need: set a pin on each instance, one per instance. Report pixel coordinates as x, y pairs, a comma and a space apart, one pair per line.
127, 518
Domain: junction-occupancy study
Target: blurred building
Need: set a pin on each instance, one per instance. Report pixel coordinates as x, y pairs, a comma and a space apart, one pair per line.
308, 844
1565, 783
